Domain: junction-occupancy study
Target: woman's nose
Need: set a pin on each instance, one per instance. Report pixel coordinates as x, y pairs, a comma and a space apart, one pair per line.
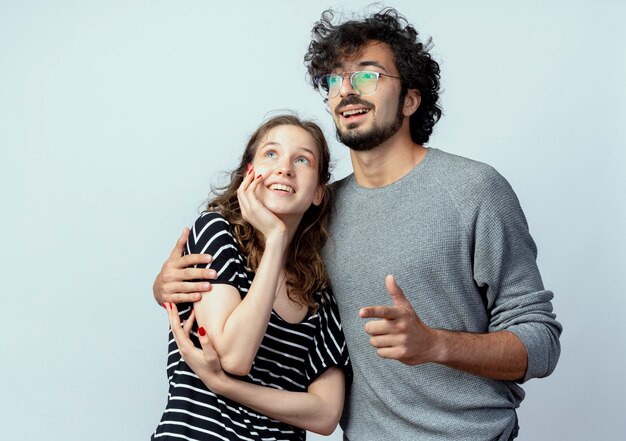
284, 171
284, 166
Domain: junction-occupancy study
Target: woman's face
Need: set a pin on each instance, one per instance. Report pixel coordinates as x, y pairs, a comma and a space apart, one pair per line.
288, 160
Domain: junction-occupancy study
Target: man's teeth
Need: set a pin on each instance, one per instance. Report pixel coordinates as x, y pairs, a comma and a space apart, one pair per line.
354, 112
282, 187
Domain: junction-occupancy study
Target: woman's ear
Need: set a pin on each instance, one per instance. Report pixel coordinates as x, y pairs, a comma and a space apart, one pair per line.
318, 197
412, 101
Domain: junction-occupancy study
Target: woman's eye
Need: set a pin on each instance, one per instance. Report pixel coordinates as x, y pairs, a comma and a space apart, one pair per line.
303, 160
270, 154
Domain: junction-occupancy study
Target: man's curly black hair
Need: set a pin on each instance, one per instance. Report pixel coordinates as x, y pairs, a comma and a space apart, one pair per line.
332, 43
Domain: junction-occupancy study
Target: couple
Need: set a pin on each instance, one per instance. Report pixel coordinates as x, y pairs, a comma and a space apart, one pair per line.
440, 359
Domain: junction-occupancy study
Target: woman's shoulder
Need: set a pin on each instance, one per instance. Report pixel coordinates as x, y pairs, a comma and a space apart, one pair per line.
325, 296
327, 305
211, 218
212, 221
209, 227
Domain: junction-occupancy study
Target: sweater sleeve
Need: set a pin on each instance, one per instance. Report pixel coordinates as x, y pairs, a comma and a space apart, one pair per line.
505, 269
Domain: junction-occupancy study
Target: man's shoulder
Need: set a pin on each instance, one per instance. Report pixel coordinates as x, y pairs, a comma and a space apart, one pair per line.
341, 184
461, 172
475, 186
461, 165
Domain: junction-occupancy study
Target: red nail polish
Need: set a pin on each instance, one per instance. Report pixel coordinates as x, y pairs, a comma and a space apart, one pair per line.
163, 303
250, 170
248, 167
259, 176
201, 331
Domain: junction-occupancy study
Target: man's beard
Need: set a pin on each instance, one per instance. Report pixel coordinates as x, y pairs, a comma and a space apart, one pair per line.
372, 138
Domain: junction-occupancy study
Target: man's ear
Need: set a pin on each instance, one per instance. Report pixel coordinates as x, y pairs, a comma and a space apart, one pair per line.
412, 101
318, 197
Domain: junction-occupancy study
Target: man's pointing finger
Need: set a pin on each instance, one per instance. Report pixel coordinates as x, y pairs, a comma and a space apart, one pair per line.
384, 312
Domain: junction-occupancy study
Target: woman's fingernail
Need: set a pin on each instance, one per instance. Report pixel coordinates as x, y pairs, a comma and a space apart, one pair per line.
258, 177
201, 331
248, 167
163, 303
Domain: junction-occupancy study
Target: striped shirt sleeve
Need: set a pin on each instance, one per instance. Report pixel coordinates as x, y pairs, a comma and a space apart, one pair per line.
211, 234
329, 345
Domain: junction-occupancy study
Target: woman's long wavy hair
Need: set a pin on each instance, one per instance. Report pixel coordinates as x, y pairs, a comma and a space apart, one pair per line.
304, 269
333, 43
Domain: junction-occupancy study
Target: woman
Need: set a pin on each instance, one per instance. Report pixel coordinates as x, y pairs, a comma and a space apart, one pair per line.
269, 319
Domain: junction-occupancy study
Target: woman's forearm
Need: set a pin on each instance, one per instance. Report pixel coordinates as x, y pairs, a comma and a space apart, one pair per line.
317, 410
238, 341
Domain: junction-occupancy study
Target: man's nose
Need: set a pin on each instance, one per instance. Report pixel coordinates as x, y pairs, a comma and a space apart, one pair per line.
346, 86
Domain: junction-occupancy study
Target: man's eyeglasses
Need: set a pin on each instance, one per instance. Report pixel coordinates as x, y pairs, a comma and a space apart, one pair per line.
364, 82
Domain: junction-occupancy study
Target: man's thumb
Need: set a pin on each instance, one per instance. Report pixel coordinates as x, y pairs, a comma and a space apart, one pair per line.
397, 295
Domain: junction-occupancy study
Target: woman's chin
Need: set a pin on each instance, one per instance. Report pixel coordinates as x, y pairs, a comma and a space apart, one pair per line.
282, 207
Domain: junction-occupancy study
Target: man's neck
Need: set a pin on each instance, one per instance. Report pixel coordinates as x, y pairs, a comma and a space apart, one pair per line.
388, 162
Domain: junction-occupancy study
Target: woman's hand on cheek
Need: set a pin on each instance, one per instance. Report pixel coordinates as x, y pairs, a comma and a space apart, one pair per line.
253, 210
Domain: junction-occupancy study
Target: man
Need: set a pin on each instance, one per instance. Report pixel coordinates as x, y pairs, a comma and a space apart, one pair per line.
472, 319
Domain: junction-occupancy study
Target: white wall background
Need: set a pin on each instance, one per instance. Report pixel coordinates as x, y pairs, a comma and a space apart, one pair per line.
115, 117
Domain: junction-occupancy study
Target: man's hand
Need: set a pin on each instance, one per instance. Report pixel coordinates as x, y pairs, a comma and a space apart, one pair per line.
172, 283
400, 334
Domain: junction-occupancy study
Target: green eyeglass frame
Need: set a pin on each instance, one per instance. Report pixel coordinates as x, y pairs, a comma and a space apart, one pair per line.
364, 83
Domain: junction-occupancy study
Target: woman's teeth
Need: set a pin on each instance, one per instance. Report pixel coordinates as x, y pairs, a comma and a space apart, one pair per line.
282, 187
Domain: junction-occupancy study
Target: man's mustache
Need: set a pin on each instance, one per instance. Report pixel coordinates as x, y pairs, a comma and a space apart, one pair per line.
354, 100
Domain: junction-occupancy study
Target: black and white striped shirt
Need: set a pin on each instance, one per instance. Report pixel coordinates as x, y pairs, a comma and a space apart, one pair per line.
291, 355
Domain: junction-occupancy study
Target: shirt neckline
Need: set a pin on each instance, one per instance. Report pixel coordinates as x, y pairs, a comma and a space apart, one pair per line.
430, 152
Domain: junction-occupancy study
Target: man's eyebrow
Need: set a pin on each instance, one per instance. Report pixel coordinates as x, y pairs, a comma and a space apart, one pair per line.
367, 63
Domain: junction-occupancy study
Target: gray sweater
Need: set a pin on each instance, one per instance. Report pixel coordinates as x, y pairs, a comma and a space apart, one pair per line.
453, 234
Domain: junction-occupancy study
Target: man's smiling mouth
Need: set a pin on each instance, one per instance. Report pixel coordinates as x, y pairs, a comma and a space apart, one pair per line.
352, 112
